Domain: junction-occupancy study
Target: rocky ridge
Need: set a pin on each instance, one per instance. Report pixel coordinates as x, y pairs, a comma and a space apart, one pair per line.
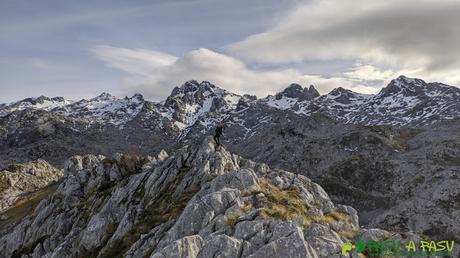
202, 201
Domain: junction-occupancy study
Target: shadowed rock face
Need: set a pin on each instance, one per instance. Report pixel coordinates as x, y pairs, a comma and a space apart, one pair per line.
203, 201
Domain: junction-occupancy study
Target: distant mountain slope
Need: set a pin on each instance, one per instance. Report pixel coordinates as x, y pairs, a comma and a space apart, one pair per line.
404, 102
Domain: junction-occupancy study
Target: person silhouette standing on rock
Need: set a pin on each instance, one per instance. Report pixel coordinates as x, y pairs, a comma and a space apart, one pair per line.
218, 133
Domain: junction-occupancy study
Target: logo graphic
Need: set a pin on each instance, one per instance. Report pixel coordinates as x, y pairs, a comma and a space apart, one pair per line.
397, 249
347, 248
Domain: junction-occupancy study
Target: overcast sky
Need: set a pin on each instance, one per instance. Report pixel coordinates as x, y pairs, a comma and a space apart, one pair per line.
78, 49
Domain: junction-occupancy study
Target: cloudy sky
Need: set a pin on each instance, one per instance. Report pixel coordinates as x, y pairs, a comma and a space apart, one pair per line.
79, 49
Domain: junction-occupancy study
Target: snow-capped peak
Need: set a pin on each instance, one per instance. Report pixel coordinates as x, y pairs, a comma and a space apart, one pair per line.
339, 91
192, 101
296, 91
405, 86
41, 102
345, 97
106, 107
191, 90
292, 97
403, 80
104, 96
405, 101
136, 98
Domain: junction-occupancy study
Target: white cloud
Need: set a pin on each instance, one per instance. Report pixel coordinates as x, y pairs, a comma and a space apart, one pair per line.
369, 73
415, 36
135, 61
160, 72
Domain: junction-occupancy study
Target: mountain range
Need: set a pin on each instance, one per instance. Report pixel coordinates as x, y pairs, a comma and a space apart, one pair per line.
393, 156
404, 102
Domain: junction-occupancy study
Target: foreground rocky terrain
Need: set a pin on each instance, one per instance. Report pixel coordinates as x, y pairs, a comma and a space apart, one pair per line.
201, 202
393, 156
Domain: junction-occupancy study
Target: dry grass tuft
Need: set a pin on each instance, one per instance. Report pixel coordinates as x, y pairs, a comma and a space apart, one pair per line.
283, 204
288, 204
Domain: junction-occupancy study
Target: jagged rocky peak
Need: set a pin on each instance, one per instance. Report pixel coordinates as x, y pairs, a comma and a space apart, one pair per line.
404, 80
108, 99
136, 97
103, 100
192, 89
105, 107
193, 100
296, 91
292, 97
104, 96
42, 99
201, 202
186, 88
340, 91
41, 102
292, 91
404, 85
345, 96
102, 105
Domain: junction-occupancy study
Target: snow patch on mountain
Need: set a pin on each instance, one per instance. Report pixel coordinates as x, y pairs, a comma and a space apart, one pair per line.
405, 101
41, 102
194, 101
283, 103
105, 107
